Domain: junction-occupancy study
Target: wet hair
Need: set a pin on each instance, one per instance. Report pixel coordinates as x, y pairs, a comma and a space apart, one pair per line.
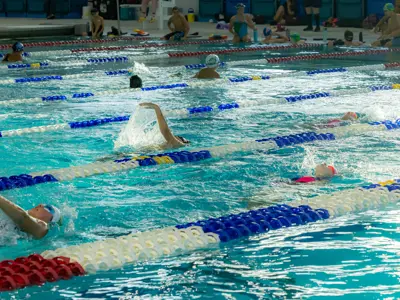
136, 82
182, 139
175, 8
348, 35
94, 10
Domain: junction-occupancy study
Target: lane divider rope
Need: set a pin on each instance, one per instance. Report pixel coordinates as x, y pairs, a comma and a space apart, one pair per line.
90, 258
24, 180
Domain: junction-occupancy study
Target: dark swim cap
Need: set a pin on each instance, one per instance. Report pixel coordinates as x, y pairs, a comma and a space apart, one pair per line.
182, 139
348, 35
136, 82
18, 47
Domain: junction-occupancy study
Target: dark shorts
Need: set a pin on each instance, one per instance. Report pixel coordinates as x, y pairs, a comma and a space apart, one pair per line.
384, 42
178, 34
312, 3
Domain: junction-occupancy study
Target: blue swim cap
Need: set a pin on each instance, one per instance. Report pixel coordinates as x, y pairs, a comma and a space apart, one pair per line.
18, 47
267, 32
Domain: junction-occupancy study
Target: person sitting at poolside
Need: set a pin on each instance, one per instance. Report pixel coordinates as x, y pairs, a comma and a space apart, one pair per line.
271, 37
135, 82
16, 55
180, 29
284, 10
97, 24
348, 40
172, 141
322, 172
391, 37
212, 64
239, 24
36, 221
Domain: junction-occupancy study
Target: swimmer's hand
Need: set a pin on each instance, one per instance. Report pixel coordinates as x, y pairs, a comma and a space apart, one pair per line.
149, 105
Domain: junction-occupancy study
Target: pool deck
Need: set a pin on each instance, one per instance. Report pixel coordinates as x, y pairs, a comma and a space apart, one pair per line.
204, 29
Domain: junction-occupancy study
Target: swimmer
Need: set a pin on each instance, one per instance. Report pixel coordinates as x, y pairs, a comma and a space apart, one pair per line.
391, 36
239, 24
348, 40
172, 141
36, 221
97, 24
322, 172
180, 29
273, 37
295, 39
135, 82
16, 55
212, 63
347, 118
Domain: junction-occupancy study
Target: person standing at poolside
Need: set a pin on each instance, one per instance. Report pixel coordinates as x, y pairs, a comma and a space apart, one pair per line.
312, 7
391, 37
36, 221
16, 55
143, 10
210, 72
178, 25
97, 24
239, 25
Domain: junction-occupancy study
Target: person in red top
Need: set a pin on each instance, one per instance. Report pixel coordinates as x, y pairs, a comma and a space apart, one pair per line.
322, 172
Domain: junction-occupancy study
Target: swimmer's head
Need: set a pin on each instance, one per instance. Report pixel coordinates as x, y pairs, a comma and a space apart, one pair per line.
351, 115
94, 12
324, 171
18, 47
348, 36
182, 139
240, 7
295, 37
175, 10
47, 213
212, 61
135, 82
267, 32
388, 8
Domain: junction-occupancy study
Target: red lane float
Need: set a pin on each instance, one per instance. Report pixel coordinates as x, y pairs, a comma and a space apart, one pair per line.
36, 270
250, 49
77, 42
116, 48
392, 65
325, 56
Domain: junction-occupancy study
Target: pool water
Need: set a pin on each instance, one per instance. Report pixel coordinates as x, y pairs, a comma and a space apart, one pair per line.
352, 256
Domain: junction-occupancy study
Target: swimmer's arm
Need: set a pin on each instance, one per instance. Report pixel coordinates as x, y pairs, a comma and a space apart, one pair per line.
394, 34
164, 129
250, 22
187, 26
169, 25
22, 219
231, 25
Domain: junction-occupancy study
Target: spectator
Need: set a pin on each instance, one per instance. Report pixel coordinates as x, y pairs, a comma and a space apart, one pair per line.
50, 8
286, 9
312, 7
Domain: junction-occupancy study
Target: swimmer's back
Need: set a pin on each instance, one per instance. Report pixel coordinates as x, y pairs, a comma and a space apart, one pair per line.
207, 73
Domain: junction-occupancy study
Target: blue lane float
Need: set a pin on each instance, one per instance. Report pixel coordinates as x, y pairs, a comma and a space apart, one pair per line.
162, 158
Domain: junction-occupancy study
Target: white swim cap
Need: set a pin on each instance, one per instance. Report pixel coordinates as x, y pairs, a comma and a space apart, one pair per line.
57, 217
212, 61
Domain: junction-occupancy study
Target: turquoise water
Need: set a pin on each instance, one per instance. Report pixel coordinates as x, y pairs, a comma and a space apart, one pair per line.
351, 256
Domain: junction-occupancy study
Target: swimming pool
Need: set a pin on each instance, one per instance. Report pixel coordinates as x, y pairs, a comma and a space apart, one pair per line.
347, 256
